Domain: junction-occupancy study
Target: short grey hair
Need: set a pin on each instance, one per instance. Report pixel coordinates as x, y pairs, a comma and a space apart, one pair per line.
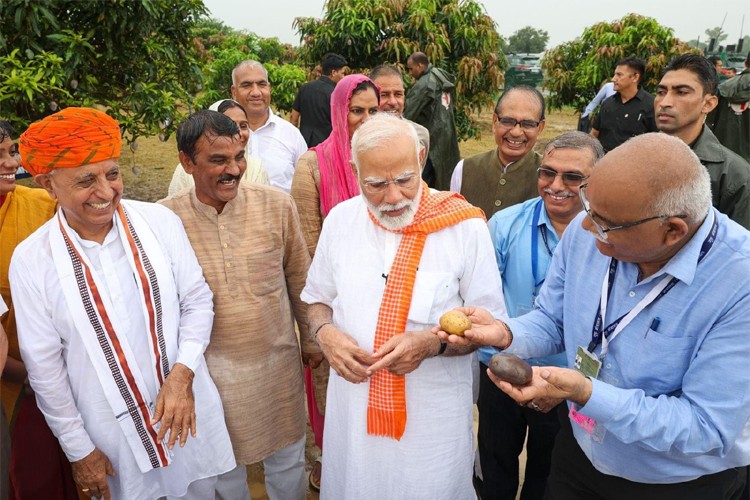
379, 132
577, 140
688, 193
248, 63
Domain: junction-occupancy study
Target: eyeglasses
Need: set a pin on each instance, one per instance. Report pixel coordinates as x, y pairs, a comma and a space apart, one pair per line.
570, 179
406, 181
508, 122
601, 231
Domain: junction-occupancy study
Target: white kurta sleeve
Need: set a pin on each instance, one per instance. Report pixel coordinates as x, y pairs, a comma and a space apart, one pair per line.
196, 299
42, 352
321, 286
480, 284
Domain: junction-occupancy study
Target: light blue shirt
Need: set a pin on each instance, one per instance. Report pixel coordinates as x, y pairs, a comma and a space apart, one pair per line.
607, 90
671, 403
511, 230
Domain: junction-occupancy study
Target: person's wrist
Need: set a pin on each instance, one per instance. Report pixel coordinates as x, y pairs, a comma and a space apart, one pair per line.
315, 336
508, 336
440, 347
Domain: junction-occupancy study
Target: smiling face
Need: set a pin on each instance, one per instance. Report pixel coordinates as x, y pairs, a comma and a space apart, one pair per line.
88, 195
392, 95
252, 90
362, 106
681, 104
560, 200
218, 166
514, 142
9, 163
238, 116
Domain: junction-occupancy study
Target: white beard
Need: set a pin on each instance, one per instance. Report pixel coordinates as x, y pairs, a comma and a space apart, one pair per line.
401, 221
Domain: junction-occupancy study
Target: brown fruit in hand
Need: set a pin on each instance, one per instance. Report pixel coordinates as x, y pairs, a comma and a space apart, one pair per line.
511, 369
455, 322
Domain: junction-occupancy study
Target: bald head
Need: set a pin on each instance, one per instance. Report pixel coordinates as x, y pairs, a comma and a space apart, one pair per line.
657, 174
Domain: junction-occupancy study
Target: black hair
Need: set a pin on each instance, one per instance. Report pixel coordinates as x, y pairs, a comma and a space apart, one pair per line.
364, 85
6, 130
698, 65
229, 104
713, 59
200, 123
523, 88
332, 61
419, 58
636, 64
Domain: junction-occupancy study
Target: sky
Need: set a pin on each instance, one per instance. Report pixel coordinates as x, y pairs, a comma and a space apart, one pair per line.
563, 21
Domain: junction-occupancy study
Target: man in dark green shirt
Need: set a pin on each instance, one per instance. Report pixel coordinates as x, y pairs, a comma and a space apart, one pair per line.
430, 102
684, 96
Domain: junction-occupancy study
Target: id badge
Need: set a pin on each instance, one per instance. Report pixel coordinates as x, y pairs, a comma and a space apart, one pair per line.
587, 363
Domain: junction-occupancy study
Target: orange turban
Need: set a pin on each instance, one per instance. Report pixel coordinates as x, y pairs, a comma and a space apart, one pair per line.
68, 139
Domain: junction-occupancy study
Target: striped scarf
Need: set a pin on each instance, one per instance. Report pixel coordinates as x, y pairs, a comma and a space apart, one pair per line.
109, 349
386, 406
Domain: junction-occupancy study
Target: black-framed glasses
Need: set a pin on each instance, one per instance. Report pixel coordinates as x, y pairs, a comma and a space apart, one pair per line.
508, 122
601, 231
570, 179
406, 181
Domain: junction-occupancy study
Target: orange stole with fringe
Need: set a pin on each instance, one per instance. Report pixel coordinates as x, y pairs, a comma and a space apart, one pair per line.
386, 405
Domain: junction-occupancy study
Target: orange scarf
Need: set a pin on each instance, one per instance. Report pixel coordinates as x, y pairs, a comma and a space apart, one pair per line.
386, 406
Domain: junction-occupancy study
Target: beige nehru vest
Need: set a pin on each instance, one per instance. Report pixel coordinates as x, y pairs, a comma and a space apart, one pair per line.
485, 185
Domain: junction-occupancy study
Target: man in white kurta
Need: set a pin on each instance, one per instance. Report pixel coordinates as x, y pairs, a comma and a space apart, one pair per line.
89, 338
434, 455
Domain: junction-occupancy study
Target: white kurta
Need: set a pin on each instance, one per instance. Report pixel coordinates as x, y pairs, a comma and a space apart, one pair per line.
434, 457
66, 384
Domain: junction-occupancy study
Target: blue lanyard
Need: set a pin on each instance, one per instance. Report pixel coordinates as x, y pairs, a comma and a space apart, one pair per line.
597, 332
535, 230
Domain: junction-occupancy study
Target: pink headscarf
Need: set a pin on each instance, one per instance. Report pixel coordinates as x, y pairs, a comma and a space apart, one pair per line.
337, 180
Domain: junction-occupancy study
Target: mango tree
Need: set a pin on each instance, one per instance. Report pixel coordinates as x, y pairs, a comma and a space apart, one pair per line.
134, 59
574, 71
457, 36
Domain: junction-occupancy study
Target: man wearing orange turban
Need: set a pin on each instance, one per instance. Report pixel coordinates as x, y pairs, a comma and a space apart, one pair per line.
113, 318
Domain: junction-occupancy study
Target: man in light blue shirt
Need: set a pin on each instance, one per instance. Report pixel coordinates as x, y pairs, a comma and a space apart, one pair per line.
525, 236
660, 403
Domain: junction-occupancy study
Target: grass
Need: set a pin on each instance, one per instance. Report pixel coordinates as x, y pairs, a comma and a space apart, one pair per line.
148, 170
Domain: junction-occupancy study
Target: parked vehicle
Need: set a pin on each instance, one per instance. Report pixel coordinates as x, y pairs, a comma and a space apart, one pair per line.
523, 69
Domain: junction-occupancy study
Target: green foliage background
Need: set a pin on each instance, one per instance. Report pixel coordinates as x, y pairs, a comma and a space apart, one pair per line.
576, 70
134, 58
457, 36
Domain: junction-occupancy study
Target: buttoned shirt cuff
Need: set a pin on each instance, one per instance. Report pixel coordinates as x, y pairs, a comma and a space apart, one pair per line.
76, 444
190, 354
605, 401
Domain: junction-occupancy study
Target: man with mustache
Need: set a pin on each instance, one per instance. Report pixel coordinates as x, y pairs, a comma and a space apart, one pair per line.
388, 264
685, 95
392, 100
248, 240
113, 318
525, 237
506, 175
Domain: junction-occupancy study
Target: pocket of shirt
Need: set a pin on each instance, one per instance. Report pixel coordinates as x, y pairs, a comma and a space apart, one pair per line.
428, 297
265, 271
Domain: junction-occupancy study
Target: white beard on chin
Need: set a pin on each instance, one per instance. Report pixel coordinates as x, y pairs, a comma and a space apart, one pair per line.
401, 221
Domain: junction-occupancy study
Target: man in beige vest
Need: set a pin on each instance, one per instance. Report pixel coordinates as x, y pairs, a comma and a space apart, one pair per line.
248, 241
505, 175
